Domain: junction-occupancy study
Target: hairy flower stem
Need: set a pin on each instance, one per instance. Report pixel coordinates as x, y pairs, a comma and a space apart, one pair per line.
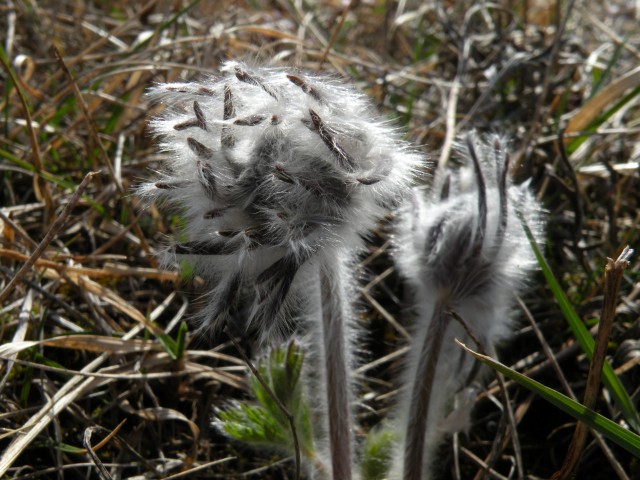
421, 394
337, 380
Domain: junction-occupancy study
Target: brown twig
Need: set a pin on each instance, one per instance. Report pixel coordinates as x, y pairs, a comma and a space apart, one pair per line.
612, 278
335, 32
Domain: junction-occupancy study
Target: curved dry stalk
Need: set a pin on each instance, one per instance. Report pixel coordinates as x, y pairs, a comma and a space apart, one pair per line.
40, 185
86, 441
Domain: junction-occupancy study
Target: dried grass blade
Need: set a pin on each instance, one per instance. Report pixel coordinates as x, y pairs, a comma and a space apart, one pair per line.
71, 390
49, 236
112, 434
217, 374
191, 471
591, 110
112, 299
268, 32
102, 344
110, 270
11, 349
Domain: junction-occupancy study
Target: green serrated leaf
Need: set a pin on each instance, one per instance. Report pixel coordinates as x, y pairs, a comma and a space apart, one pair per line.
377, 453
253, 424
279, 378
265, 423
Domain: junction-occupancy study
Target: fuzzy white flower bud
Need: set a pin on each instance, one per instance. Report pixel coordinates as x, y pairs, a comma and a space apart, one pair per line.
271, 169
463, 250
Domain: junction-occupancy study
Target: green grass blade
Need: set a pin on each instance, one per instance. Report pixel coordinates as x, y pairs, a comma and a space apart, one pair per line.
181, 340
606, 73
169, 344
609, 378
609, 429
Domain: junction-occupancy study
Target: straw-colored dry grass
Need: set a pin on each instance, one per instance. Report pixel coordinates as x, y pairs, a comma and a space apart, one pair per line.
559, 80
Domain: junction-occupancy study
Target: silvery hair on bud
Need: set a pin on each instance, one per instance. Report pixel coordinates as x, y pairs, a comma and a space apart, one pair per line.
271, 170
461, 248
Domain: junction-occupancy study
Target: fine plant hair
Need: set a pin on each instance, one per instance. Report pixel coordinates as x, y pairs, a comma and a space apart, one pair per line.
464, 253
277, 175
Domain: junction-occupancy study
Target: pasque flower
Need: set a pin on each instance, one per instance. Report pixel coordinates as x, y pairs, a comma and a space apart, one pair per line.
277, 175
464, 252
271, 168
